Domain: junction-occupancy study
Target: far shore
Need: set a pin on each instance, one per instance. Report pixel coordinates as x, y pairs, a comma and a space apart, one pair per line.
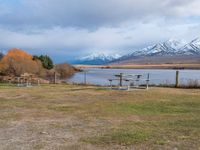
142, 66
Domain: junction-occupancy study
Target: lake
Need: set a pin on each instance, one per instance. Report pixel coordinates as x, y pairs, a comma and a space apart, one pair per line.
157, 76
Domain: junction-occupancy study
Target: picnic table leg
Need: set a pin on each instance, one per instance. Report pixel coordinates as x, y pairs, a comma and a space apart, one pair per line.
128, 89
147, 84
111, 84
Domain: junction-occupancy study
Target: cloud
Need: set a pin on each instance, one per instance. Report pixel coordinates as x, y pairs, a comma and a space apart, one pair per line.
95, 13
69, 28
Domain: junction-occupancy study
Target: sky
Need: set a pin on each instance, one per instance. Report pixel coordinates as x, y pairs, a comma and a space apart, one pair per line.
69, 29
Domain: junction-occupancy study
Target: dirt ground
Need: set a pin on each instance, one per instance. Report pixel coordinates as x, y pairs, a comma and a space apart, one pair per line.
86, 118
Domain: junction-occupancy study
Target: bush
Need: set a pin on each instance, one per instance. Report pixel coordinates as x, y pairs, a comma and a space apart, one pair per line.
47, 62
191, 84
65, 70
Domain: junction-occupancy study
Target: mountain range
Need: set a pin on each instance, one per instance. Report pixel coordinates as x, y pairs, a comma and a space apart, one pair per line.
97, 59
169, 50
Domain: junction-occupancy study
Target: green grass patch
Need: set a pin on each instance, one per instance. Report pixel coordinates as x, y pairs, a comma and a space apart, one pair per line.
152, 108
185, 123
7, 103
120, 137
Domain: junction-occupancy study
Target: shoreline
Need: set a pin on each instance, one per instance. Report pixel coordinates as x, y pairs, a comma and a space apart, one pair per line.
143, 66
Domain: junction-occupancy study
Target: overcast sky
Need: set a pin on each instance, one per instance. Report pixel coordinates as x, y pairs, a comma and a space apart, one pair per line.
66, 29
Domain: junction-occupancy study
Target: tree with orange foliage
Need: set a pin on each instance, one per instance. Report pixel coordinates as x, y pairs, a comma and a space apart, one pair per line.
17, 62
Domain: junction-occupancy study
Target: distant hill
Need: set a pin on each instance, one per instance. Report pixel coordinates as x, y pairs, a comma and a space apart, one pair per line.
96, 59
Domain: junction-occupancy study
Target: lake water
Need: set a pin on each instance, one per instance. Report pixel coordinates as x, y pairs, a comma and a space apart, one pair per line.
157, 76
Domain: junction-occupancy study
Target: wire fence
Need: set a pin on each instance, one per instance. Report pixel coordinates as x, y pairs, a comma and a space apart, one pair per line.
157, 77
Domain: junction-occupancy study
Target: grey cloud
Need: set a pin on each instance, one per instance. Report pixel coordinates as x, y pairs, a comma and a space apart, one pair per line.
89, 13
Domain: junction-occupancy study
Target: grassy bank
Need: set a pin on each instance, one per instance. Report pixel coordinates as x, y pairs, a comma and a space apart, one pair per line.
89, 117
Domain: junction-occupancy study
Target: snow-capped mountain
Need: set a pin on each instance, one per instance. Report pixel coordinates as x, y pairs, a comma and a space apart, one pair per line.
191, 48
168, 48
97, 59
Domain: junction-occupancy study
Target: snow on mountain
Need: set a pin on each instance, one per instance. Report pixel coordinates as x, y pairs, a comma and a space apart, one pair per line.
174, 44
102, 56
191, 48
97, 59
171, 47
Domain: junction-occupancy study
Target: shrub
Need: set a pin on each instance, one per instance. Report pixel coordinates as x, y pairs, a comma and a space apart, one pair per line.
65, 70
46, 61
191, 84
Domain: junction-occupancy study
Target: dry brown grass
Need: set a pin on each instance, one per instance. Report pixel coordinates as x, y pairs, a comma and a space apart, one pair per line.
157, 66
88, 117
144, 66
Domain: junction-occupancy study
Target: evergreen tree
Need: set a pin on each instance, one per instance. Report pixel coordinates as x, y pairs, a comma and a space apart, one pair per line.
46, 61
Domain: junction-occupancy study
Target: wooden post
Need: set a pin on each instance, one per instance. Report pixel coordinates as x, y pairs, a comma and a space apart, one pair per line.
27, 83
18, 81
30, 81
120, 79
54, 77
85, 78
177, 79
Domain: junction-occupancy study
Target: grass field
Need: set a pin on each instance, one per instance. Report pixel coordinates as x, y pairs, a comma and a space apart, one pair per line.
96, 118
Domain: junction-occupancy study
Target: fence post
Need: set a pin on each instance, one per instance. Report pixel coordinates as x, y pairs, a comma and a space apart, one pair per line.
54, 77
177, 79
27, 82
38, 82
85, 77
120, 79
18, 81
